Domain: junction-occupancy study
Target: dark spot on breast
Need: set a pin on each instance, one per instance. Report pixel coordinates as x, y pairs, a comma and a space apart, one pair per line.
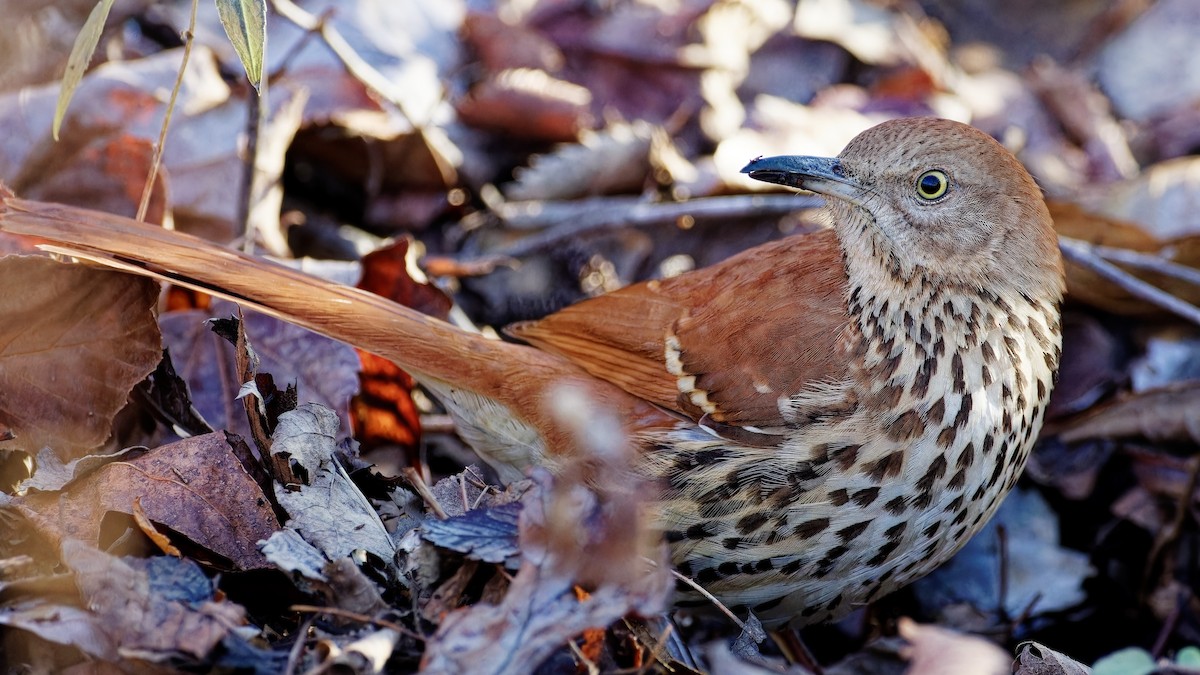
956, 372
701, 530
964, 411
728, 568
920, 383
985, 375
954, 504
896, 505
888, 367
1041, 390
768, 605
932, 529
1052, 360
939, 347
764, 565
925, 334
839, 497
887, 466
833, 554
906, 427
958, 480
988, 442
985, 350
883, 554
896, 530
811, 528
707, 576
852, 531
731, 542
792, 567
845, 456
751, 523
865, 496
946, 438
833, 604
967, 458
936, 412
889, 396
710, 456
922, 500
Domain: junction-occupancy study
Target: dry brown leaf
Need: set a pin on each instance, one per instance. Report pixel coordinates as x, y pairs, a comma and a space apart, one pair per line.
74, 342
529, 105
196, 487
1166, 414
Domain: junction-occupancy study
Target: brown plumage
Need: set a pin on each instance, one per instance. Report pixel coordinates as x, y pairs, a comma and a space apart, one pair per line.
826, 417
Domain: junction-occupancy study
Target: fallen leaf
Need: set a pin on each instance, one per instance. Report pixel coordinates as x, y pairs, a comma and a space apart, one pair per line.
613, 160
196, 487
75, 341
933, 650
1165, 414
327, 509
1038, 659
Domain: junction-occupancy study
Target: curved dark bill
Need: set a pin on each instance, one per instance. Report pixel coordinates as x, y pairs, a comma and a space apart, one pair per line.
792, 170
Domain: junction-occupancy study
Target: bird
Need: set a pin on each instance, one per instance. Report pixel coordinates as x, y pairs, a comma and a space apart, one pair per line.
823, 418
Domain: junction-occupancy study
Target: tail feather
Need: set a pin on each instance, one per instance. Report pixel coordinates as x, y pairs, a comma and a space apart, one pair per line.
446, 358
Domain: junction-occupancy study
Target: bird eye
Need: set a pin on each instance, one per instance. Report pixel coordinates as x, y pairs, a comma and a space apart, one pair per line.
932, 184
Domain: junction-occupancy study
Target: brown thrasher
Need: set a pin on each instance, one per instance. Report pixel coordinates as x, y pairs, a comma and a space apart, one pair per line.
828, 416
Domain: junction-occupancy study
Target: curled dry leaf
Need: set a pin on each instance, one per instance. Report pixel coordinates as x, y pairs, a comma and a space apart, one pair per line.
1166, 414
527, 104
327, 509
934, 650
1037, 659
74, 343
613, 160
196, 487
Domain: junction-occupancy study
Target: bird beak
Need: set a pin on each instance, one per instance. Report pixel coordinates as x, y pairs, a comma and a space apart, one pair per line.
815, 174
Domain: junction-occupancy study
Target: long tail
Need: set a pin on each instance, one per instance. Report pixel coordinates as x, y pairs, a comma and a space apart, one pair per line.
450, 360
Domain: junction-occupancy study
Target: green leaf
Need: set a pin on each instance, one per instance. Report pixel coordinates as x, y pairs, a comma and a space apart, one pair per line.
245, 23
1128, 661
1189, 657
81, 55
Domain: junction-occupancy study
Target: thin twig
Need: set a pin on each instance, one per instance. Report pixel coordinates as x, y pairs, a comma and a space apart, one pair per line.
1083, 253
1149, 262
719, 605
188, 38
418, 484
657, 649
254, 119
355, 616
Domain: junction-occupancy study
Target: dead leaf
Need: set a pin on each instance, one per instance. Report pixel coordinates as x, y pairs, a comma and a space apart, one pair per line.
527, 104
934, 650
383, 411
1150, 67
75, 342
323, 370
1038, 659
196, 487
327, 509
153, 608
1166, 414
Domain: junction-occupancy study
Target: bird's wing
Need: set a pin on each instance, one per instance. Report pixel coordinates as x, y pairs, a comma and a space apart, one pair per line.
721, 344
